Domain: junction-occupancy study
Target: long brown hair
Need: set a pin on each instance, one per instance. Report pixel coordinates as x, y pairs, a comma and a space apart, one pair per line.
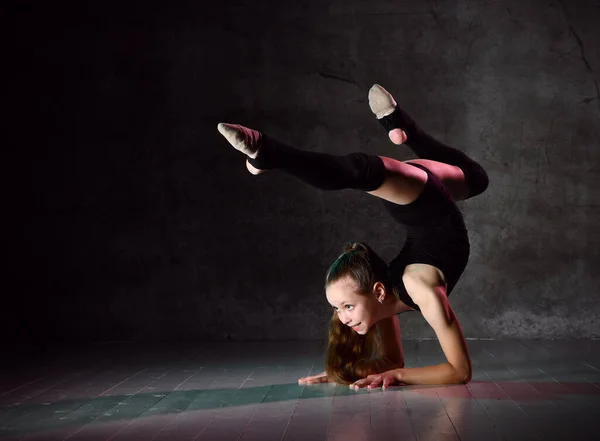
351, 356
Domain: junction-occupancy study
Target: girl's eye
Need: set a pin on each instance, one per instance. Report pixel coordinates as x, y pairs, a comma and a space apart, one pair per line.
348, 307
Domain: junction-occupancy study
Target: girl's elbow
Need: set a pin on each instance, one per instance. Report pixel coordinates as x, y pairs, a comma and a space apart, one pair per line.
463, 376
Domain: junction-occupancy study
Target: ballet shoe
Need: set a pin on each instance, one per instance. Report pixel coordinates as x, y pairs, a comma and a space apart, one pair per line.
241, 138
381, 102
253, 170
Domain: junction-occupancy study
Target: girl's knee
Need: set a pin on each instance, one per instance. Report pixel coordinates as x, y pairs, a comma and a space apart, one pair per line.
368, 170
477, 179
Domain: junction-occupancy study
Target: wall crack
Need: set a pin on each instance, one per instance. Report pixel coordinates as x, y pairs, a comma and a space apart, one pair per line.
583, 55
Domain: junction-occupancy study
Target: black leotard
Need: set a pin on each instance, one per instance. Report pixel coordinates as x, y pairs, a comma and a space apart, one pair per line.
436, 235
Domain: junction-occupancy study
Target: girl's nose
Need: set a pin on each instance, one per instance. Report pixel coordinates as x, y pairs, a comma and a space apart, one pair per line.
345, 320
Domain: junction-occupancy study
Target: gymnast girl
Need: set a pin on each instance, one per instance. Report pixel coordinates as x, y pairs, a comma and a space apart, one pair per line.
366, 293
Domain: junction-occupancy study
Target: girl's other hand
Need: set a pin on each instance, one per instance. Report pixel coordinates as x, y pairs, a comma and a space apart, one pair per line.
384, 380
314, 379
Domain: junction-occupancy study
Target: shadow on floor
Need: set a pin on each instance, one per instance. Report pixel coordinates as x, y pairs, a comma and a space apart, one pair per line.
19, 420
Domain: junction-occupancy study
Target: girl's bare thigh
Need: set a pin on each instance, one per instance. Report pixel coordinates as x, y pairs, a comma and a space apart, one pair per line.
451, 176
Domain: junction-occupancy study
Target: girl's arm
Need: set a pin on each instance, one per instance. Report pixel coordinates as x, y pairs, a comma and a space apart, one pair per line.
433, 303
391, 341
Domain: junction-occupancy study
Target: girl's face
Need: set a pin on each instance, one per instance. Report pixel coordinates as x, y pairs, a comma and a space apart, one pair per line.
353, 308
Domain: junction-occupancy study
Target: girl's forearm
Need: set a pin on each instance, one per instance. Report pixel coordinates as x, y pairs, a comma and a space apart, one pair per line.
439, 374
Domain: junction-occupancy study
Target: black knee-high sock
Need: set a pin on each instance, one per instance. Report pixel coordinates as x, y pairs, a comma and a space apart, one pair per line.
321, 170
427, 147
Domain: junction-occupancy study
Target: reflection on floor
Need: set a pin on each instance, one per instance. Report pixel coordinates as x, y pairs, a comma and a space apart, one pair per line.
521, 390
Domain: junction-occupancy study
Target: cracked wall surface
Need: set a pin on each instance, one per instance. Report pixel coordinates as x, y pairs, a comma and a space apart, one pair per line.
132, 218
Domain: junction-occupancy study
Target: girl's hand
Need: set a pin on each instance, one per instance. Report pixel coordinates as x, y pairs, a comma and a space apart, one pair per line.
384, 379
314, 379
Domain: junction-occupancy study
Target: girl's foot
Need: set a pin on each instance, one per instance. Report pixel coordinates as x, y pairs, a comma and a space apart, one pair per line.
241, 138
253, 170
382, 104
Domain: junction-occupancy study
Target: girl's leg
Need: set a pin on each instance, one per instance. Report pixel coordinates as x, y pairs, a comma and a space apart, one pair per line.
464, 177
403, 183
451, 176
386, 178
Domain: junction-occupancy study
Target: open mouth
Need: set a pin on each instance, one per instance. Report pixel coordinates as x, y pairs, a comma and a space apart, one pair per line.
356, 326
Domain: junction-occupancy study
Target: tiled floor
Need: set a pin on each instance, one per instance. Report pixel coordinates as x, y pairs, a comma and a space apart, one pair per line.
521, 390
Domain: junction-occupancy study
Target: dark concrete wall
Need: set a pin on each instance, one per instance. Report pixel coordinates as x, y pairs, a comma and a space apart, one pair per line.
131, 218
